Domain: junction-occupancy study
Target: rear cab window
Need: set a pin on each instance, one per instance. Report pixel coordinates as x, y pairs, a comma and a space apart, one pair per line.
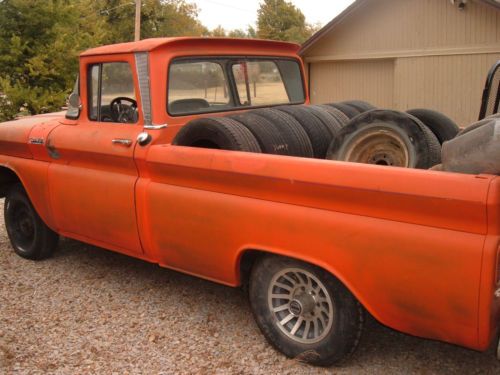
200, 85
196, 86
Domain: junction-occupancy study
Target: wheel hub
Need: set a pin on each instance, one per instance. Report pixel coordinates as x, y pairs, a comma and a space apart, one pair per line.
378, 146
295, 307
26, 226
301, 305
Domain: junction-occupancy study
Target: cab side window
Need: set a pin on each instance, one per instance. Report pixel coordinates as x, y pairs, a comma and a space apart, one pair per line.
111, 93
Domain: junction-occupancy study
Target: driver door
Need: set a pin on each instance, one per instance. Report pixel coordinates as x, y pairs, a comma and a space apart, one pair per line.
93, 174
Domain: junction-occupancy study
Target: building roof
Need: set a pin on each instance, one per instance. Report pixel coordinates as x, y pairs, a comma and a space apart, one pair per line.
147, 45
350, 9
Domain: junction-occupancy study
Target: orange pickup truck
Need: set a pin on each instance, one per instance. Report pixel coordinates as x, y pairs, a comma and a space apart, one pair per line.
318, 243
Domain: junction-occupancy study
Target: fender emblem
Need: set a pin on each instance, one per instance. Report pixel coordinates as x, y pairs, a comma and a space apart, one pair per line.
36, 141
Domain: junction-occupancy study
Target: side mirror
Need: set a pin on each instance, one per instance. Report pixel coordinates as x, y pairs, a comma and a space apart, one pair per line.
74, 106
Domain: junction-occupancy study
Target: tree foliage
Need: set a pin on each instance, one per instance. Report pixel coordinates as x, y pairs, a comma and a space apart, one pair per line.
39, 45
159, 18
219, 31
281, 20
40, 42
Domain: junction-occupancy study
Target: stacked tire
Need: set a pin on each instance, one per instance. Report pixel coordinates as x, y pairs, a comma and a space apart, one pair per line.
217, 133
353, 131
300, 131
389, 138
352, 108
409, 139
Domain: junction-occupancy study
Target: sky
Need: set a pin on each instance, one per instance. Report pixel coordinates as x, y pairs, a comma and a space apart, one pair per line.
239, 14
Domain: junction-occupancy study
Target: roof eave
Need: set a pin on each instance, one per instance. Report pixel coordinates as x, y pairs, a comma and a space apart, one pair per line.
330, 25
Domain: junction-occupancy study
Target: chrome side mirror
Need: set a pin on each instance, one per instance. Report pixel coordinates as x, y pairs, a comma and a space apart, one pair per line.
74, 106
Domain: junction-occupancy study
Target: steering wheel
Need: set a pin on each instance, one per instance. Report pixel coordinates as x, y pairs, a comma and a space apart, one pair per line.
124, 113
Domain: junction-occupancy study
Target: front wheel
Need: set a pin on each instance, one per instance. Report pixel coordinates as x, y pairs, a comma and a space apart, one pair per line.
28, 234
304, 312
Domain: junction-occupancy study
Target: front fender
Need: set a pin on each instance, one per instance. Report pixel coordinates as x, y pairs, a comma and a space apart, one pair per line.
33, 176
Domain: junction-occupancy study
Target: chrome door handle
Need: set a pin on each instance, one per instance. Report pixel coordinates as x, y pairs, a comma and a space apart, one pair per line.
155, 127
123, 142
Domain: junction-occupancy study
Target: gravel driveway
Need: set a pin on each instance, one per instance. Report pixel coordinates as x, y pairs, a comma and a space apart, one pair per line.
92, 311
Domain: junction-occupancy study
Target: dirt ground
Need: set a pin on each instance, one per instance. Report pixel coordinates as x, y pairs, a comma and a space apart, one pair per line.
89, 311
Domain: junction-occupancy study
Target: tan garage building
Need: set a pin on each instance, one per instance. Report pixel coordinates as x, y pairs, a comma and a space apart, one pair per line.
407, 53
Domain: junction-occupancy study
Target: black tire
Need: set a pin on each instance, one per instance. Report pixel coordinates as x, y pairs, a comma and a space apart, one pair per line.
332, 124
317, 132
267, 134
218, 133
342, 316
442, 126
388, 138
295, 136
360, 105
28, 234
347, 110
339, 115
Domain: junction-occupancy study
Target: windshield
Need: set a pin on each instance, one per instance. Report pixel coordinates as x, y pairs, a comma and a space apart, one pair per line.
212, 85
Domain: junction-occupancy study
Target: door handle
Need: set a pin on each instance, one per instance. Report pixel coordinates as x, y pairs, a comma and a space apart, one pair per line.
155, 127
123, 142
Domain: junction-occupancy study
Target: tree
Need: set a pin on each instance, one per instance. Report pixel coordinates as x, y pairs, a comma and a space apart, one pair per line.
281, 20
39, 46
40, 42
251, 32
159, 18
219, 31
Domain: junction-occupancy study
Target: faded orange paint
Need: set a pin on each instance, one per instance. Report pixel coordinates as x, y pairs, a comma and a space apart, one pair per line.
417, 248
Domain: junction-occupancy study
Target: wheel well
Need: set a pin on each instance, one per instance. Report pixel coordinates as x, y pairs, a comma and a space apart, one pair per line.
249, 258
247, 261
7, 179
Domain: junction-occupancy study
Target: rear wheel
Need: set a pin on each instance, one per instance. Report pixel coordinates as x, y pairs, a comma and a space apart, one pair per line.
304, 312
28, 234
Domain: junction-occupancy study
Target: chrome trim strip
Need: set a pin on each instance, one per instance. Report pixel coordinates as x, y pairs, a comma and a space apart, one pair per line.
142, 66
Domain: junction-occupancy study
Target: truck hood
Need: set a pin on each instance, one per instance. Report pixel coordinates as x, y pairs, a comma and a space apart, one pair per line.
15, 135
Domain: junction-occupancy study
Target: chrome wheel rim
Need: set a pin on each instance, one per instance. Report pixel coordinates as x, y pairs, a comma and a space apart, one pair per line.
300, 305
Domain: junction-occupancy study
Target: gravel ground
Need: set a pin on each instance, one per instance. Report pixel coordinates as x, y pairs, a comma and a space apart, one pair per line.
91, 311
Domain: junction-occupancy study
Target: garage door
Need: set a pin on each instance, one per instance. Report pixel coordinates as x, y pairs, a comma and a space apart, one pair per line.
372, 81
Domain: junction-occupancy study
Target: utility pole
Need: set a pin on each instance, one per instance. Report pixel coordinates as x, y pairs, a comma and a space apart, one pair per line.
137, 20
